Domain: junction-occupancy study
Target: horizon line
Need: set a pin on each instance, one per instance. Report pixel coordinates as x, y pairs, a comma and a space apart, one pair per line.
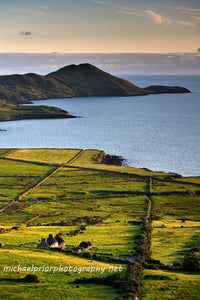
178, 52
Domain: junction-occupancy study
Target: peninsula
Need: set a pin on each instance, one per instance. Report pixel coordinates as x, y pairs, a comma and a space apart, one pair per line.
72, 81
11, 112
82, 80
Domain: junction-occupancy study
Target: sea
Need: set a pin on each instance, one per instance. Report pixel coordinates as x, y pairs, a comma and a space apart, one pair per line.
158, 132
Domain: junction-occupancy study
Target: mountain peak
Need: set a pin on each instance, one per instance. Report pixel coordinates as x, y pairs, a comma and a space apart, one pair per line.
87, 80
74, 68
70, 81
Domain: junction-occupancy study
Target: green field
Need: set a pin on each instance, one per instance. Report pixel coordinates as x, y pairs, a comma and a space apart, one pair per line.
16, 177
176, 238
88, 160
164, 285
59, 285
53, 156
186, 207
67, 191
160, 187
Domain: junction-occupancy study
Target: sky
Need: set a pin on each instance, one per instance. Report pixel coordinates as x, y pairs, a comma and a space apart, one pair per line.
114, 63
109, 26
49, 31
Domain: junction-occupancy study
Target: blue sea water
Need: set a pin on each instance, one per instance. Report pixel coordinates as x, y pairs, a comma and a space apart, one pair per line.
159, 132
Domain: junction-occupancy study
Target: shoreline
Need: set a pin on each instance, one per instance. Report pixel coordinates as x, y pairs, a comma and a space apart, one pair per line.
13, 112
105, 159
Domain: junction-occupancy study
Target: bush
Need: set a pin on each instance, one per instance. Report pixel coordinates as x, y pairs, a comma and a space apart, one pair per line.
31, 278
2, 230
192, 261
115, 280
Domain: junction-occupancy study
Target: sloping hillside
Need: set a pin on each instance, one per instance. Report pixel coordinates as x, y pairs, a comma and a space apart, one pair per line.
70, 81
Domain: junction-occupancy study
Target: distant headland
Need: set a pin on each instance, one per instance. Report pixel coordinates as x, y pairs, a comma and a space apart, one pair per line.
84, 80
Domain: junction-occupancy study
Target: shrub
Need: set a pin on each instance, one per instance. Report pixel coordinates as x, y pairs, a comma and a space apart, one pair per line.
192, 261
31, 278
2, 230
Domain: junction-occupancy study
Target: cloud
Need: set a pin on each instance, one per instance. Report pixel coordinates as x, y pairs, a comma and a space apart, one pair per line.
154, 17
114, 63
25, 33
151, 15
100, 2
147, 14
191, 12
44, 7
184, 23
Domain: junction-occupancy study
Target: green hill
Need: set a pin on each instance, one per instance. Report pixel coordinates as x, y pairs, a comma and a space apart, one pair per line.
70, 81
87, 80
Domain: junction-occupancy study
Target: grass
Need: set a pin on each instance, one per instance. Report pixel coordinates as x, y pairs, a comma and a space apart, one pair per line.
114, 238
177, 206
4, 151
17, 177
9, 112
195, 180
77, 192
32, 235
13, 187
59, 291
85, 188
80, 180
87, 160
172, 187
15, 168
172, 243
58, 210
185, 286
58, 285
53, 156
38, 257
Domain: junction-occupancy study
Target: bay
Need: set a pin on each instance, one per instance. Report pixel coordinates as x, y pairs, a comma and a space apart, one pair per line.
159, 132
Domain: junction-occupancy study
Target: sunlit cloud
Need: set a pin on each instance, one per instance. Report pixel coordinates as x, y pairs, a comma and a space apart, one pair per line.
155, 18
184, 23
147, 14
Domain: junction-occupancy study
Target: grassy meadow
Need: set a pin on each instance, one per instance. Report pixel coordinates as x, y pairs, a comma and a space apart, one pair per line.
163, 285
176, 238
11, 111
67, 191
